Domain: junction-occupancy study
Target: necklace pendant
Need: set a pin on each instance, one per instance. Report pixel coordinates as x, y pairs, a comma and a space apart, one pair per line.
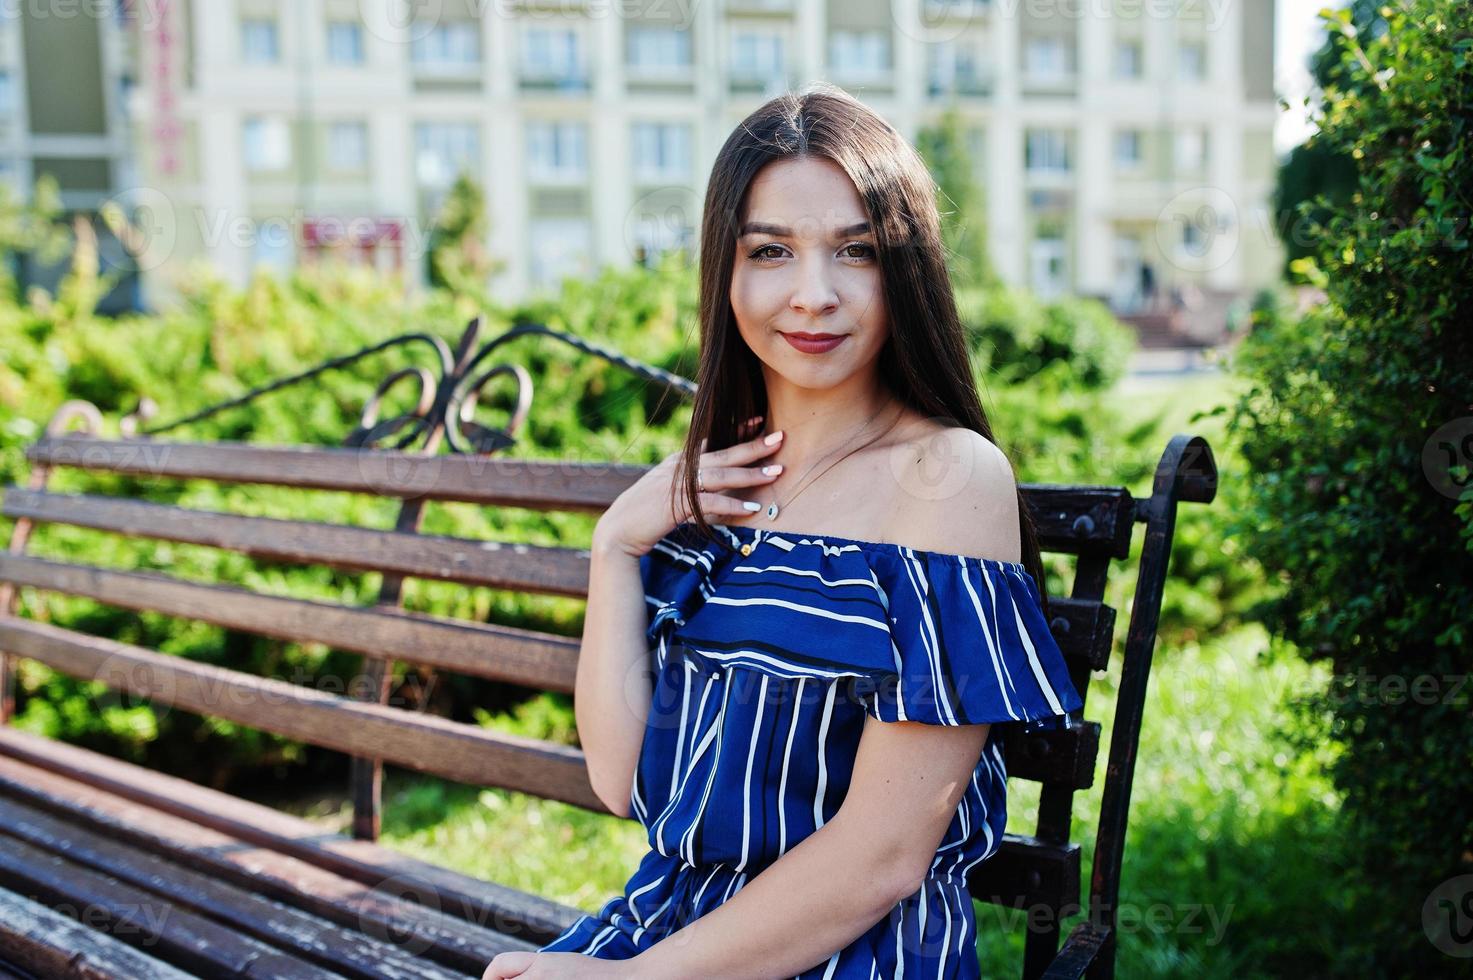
772, 510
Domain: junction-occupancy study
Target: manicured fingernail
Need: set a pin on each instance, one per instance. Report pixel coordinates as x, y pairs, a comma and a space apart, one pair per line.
772, 439
774, 468
751, 505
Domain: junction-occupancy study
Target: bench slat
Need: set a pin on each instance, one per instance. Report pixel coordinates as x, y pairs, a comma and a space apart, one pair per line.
350, 952
1079, 520
524, 568
386, 909
1066, 757
47, 943
511, 911
517, 656
1069, 519
1028, 873
479, 479
1084, 629
423, 742
189, 941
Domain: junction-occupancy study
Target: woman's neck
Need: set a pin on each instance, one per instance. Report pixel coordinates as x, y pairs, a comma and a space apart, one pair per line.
815, 424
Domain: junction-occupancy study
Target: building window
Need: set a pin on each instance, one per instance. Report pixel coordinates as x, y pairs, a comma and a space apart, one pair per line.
1128, 149
954, 67
442, 150
654, 236
859, 54
1191, 148
1134, 279
1048, 264
274, 248
345, 43
1128, 60
259, 44
450, 45
552, 55
662, 152
559, 247
347, 146
658, 50
757, 55
557, 152
1191, 61
1046, 58
267, 144
1047, 151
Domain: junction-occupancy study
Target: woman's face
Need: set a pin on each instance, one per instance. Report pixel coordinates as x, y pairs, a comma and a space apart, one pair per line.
806, 263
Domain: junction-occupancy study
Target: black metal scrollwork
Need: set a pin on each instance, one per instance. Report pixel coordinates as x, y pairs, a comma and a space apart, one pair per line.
452, 394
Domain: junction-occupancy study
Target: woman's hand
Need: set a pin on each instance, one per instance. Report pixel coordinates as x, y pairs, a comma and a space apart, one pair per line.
555, 966
643, 514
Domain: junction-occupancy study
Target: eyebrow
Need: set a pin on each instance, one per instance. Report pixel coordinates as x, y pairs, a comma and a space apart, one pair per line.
760, 228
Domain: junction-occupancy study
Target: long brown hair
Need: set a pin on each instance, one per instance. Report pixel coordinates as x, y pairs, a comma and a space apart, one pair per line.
924, 362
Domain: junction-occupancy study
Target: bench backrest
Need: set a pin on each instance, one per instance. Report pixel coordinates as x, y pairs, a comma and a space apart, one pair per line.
1038, 871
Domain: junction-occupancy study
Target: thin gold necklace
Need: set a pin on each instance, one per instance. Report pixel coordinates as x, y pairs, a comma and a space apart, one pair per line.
772, 507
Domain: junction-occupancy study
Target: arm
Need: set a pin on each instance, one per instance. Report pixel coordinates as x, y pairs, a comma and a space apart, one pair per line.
834, 885
611, 695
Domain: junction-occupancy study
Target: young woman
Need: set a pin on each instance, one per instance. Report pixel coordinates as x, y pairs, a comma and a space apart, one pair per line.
800, 645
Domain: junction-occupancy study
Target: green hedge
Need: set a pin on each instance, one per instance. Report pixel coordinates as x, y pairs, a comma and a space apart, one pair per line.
1357, 431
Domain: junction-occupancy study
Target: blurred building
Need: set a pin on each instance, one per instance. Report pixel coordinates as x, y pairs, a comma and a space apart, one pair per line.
1126, 151
66, 71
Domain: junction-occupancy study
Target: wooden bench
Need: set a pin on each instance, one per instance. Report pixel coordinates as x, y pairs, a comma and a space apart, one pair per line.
107, 867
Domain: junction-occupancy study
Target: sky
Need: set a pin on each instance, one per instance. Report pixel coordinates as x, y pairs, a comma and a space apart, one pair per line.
1298, 33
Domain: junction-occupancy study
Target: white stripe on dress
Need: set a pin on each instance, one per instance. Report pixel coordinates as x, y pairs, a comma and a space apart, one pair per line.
747, 782
998, 669
721, 600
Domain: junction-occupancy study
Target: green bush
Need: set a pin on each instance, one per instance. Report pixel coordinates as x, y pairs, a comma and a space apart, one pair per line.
1357, 430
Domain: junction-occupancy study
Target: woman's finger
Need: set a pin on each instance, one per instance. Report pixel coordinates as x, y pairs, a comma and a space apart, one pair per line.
726, 506
725, 477
743, 452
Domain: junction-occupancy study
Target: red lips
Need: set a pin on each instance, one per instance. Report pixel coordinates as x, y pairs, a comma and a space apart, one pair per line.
814, 343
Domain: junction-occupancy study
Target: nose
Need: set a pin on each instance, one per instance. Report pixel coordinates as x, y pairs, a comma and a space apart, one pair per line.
814, 292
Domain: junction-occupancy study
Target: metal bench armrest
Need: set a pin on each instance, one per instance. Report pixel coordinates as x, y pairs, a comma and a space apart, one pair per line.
1079, 952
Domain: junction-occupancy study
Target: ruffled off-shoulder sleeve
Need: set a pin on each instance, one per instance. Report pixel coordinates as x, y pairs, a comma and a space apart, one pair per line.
676, 575
923, 636
970, 645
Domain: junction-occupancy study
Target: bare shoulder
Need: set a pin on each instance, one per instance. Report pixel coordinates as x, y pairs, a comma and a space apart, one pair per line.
957, 494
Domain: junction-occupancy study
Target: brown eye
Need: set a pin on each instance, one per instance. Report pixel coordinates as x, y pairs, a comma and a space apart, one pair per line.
759, 253
866, 250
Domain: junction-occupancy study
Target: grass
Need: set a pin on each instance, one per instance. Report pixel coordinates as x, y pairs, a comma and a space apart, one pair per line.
1227, 824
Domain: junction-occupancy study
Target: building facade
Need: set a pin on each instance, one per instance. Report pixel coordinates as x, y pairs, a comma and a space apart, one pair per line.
66, 76
1124, 146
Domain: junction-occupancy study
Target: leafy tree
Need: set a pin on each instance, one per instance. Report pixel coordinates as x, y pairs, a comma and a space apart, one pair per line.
458, 257
961, 199
1313, 168
30, 228
1358, 431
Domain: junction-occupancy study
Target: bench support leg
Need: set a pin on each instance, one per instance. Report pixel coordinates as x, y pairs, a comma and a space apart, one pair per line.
1040, 948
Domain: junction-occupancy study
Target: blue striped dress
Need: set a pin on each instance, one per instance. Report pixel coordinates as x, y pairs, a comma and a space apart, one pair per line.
768, 650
